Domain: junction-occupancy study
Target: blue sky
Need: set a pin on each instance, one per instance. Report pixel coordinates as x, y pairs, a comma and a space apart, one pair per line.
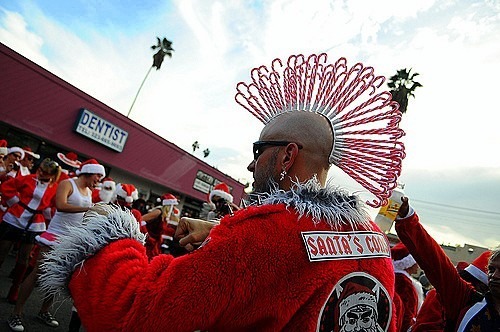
452, 169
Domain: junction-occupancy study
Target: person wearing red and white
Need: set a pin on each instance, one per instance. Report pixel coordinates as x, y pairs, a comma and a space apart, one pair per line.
159, 223
471, 310
11, 161
305, 258
29, 200
408, 288
105, 192
222, 201
431, 316
73, 199
125, 194
70, 160
26, 164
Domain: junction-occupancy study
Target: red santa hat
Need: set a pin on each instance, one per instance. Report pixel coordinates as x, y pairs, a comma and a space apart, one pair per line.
3, 147
70, 159
108, 182
91, 166
16, 149
401, 257
127, 191
28, 150
169, 199
479, 267
221, 190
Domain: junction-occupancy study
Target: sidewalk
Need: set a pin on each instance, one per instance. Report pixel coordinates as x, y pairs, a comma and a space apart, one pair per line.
61, 310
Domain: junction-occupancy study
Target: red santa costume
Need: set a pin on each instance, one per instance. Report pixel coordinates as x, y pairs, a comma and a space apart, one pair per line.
462, 304
28, 200
431, 316
23, 170
105, 192
304, 260
409, 290
14, 172
125, 195
221, 191
161, 229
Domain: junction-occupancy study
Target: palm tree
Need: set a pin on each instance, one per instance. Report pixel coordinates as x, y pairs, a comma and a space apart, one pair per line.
403, 86
164, 48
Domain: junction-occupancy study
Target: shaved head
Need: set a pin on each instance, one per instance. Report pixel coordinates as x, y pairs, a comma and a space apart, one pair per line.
310, 140
310, 129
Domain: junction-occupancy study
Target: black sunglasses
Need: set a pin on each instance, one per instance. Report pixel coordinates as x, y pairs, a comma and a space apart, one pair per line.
259, 145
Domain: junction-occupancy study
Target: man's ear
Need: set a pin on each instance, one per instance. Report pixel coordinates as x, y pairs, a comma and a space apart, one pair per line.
290, 153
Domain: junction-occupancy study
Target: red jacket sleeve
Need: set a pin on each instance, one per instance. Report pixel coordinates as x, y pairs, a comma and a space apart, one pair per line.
454, 292
119, 290
10, 191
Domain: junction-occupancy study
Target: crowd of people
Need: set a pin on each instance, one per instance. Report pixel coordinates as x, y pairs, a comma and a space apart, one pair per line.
41, 199
301, 255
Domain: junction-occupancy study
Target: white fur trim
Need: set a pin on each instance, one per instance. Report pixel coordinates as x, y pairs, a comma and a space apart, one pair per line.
166, 237
101, 225
91, 169
170, 202
172, 222
221, 193
404, 263
3, 150
330, 204
477, 273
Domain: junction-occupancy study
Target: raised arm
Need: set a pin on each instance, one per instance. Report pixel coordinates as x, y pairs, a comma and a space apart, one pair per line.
438, 268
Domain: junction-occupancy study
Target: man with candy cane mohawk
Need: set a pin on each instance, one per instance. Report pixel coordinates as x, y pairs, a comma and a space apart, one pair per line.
273, 266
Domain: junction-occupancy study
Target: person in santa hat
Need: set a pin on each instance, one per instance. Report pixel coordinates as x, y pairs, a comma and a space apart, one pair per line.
408, 288
29, 200
73, 199
12, 163
222, 202
71, 162
431, 316
161, 223
3, 152
105, 191
465, 308
126, 194
26, 164
278, 264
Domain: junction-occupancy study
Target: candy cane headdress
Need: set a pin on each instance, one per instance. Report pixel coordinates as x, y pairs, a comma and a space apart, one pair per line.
364, 119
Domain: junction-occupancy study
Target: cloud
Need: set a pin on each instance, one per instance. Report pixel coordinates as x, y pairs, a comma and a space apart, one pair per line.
14, 32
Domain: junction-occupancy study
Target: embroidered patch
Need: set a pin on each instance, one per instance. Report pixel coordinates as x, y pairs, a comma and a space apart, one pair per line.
358, 302
326, 245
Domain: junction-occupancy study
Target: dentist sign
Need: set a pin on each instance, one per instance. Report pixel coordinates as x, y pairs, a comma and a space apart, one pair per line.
100, 130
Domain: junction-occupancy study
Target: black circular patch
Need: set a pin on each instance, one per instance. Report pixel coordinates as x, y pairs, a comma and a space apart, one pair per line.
358, 302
